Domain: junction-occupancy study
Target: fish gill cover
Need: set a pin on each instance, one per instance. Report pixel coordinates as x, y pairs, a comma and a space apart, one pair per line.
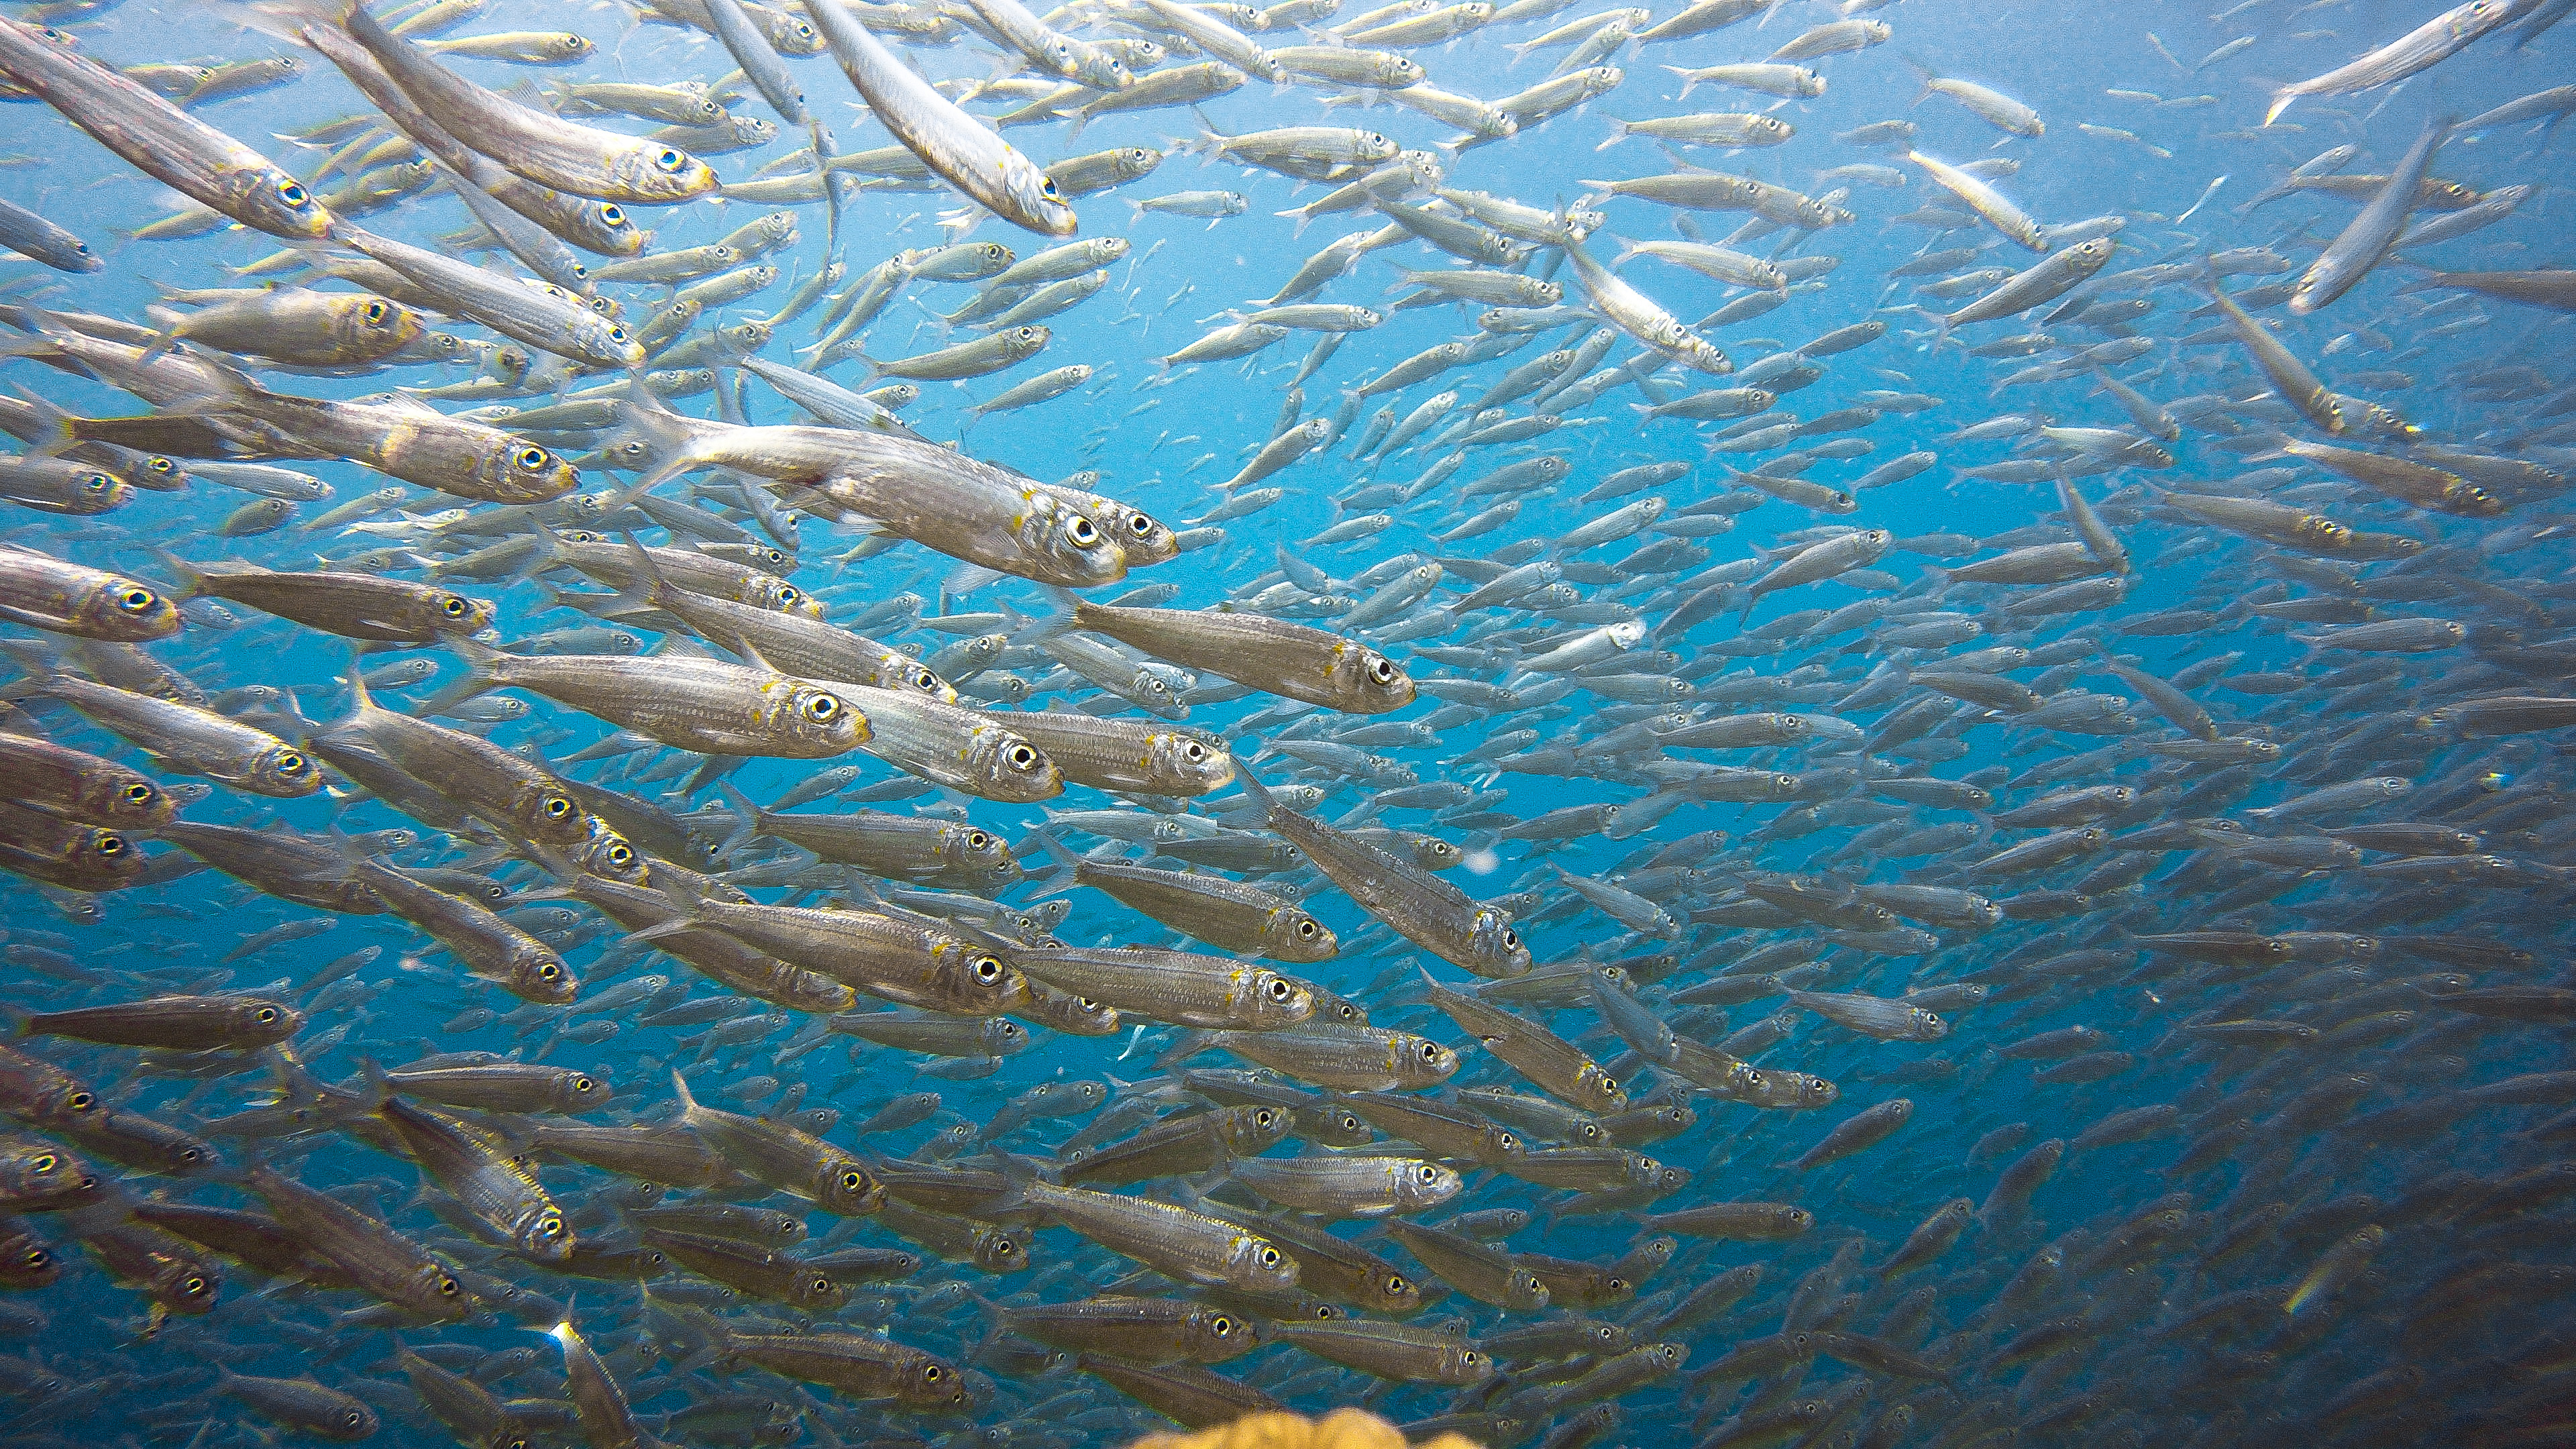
1766, 723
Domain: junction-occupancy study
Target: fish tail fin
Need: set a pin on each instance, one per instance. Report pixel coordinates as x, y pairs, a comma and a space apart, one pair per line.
746, 815
478, 680
285, 20
1260, 793
2281, 102
1184, 1047
53, 429
189, 577
361, 702
643, 420
1022, 1175
1062, 855
680, 1088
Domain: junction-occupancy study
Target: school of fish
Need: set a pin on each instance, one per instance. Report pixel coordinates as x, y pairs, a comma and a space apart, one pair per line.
646, 804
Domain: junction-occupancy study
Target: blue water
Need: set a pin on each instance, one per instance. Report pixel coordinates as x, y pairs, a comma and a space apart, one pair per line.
2479, 374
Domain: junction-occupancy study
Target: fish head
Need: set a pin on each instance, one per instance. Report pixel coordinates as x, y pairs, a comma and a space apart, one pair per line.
536, 973
1278, 1001
1496, 946
267, 198
898, 670
1256, 1265
845, 1188
1291, 933
1064, 539
124, 609
934, 1385
369, 326
124, 797
519, 471
1420, 1186
457, 614
1036, 201
40, 1176
1009, 767
610, 856
654, 173
788, 32
1422, 1062
1523, 1292
1002, 1250
1146, 539
544, 1235
1183, 762
269, 1021
1248, 1131
819, 720
282, 771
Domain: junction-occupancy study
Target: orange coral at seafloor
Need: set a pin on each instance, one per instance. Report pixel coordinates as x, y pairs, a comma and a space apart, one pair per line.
1340, 1429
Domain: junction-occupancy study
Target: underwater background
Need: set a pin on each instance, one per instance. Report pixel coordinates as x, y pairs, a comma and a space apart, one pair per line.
2292, 1002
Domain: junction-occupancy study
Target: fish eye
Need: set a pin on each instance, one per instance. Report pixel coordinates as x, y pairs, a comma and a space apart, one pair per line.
549, 971
529, 457
373, 312
822, 708
1397, 1283
290, 763
1082, 531
96, 482
1269, 1257
136, 599
265, 1016
108, 843
158, 464
1279, 989
449, 1287
550, 1226
1263, 1117
292, 194
453, 606
556, 807
1511, 938
852, 1180
192, 1286
988, 969
1021, 757
932, 1373
670, 159
1221, 1326
354, 1419
1194, 751
1430, 1051
1046, 188
611, 213
45, 1162
81, 1101
1427, 1173
977, 840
